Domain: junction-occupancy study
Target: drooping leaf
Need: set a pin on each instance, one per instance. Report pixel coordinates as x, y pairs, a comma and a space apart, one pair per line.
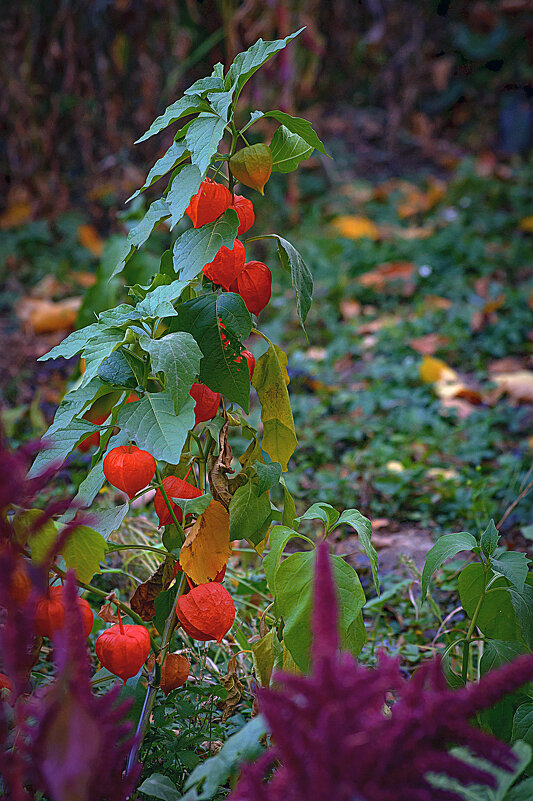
288, 150
142, 600
197, 247
116, 370
59, 444
76, 401
157, 212
202, 138
321, 511
268, 474
299, 126
279, 537
301, 278
248, 62
496, 616
99, 348
107, 520
174, 155
250, 513
204, 317
152, 423
446, 547
363, 526
180, 108
206, 549
184, 186
177, 356
263, 658
83, 552
279, 436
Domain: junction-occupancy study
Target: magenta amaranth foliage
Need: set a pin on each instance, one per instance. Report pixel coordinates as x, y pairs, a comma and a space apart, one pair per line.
56, 738
332, 738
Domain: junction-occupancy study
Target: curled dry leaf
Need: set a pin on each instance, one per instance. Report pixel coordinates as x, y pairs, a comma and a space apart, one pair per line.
142, 600
233, 687
107, 611
206, 549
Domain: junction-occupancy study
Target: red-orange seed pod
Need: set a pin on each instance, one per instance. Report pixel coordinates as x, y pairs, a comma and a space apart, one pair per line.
19, 583
174, 672
5, 682
226, 265
209, 203
207, 403
50, 614
245, 213
123, 649
206, 612
175, 488
129, 468
92, 441
254, 285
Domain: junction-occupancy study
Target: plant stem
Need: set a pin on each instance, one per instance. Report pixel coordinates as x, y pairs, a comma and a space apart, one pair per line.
170, 506
466, 647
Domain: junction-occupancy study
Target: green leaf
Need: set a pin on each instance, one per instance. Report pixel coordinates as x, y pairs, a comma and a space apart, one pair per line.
197, 247
180, 108
184, 186
250, 514
39, 539
59, 444
489, 539
72, 344
301, 278
177, 356
160, 295
215, 771
76, 401
289, 507
124, 313
499, 652
263, 658
268, 474
208, 84
523, 606
496, 617
221, 102
160, 786
83, 552
152, 423
363, 526
116, 370
288, 150
299, 126
99, 348
202, 138
193, 506
447, 546
157, 212
270, 380
514, 566
163, 607
521, 792
321, 511
248, 62
106, 521
294, 594
176, 153
202, 317
523, 724
279, 537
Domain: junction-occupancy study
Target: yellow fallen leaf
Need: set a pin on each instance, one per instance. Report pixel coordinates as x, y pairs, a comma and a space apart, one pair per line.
89, 237
526, 224
15, 214
518, 385
206, 549
432, 370
352, 226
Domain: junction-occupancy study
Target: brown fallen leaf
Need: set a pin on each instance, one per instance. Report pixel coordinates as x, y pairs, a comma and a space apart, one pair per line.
436, 302
386, 273
350, 309
206, 549
89, 237
15, 215
518, 385
46, 316
428, 344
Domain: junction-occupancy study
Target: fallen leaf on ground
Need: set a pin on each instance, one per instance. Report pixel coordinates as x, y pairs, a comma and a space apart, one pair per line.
350, 309
436, 302
518, 385
428, 344
15, 215
46, 316
89, 237
352, 226
527, 224
386, 273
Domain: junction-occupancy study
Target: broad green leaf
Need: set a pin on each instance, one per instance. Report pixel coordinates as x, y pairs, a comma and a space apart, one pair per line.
98, 348
269, 379
106, 521
72, 344
215, 771
279, 537
197, 247
152, 304
203, 317
263, 658
496, 616
249, 514
221, 102
177, 356
523, 724
59, 444
363, 526
202, 138
152, 423
523, 606
180, 108
124, 313
184, 186
39, 539
83, 552
208, 84
193, 506
248, 62
268, 474
294, 597
301, 278
499, 652
76, 401
299, 126
288, 150
176, 153
514, 566
116, 370
321, 511
157, 212
489, 539
447, 546
160, 786
521, 792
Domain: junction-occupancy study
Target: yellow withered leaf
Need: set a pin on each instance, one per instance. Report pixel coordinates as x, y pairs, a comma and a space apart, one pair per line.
206, 549
353, 226
432, 370
270, 379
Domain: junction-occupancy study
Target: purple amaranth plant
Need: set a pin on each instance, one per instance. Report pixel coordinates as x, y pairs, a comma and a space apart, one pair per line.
57, 738
334, 737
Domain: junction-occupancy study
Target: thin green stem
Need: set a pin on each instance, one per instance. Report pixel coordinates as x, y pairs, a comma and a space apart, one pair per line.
132, 546
473, 622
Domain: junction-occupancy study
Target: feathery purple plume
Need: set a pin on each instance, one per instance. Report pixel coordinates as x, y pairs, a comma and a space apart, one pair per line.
335, 738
